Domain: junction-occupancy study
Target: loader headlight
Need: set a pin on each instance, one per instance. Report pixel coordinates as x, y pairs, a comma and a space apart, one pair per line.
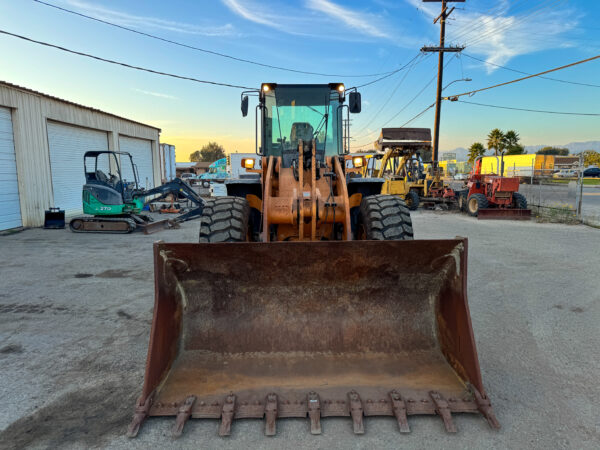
341, 88
248, 163
359, 161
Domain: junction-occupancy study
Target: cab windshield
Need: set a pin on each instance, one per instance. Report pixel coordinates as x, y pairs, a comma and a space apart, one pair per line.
301, 113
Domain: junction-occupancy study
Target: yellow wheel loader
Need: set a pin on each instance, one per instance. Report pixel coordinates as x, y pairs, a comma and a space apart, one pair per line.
306, 296
402, 151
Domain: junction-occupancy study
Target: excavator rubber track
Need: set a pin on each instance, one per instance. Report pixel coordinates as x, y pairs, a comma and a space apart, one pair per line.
102, 225
311, 330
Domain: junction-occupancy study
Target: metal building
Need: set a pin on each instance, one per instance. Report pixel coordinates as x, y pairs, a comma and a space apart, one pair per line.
167, 162
42, 142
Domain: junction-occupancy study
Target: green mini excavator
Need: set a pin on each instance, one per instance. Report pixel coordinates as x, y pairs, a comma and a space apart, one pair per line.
114, 204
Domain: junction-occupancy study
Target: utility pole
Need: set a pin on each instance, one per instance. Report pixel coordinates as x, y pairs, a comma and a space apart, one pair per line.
441, 50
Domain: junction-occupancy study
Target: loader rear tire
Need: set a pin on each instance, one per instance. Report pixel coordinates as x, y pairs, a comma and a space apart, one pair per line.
475, 203
412, 200
519, 201
384, 218
225, 219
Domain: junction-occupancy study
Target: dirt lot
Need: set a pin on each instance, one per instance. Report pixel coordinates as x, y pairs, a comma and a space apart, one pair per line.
75, 314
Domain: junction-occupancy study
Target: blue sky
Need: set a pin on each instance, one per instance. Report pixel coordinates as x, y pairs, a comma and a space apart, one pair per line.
328, 36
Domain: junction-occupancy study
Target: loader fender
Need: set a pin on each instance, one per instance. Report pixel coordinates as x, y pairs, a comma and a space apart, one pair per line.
364, 186
244, 186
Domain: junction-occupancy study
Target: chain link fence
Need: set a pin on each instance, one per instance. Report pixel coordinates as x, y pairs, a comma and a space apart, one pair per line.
564, 200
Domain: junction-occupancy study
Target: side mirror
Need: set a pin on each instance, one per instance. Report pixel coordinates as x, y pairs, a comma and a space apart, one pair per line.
354, 102
244, 105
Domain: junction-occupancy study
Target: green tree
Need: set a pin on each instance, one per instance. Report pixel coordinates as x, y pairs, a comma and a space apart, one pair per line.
209, 153
591, 158
511, 139
553, 151
477, 149
496, 141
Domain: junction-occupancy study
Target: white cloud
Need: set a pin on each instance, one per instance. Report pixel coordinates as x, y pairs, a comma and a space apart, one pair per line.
155, 94
147, 22
498, 36
320, 19
364, 23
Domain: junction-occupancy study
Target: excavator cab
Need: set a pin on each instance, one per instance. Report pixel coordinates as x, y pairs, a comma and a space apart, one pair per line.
105, 192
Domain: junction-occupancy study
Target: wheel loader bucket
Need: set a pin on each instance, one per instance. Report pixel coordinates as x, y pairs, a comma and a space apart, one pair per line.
311, 329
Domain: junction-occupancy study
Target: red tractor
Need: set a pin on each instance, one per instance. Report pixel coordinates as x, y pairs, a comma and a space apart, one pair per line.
492, 196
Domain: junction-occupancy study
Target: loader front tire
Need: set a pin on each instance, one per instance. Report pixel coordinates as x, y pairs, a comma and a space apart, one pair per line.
225, 219
384, 218
475, 203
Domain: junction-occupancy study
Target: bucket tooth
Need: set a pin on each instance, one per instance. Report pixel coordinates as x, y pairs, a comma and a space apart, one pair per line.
356, 411
184, 413
314, 412
399, 409
140, 414
443, 410
485, 407
227, 415
270, 415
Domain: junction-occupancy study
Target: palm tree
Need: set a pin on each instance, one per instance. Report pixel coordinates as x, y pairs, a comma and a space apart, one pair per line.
512, 143
476, 150
496, 140
512, 138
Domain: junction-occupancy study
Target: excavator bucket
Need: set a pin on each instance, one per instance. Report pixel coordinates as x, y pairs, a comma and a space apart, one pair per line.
311, 329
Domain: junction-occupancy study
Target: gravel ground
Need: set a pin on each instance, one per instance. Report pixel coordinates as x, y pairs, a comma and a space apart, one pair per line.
75, 314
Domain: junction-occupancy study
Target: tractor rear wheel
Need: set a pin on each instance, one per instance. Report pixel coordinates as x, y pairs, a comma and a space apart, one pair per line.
412, 200
475, 203
384, 218
519, 201
225, 219
462, 200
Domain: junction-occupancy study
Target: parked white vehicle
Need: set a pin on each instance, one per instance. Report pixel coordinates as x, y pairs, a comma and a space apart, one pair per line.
461, 176
565, 173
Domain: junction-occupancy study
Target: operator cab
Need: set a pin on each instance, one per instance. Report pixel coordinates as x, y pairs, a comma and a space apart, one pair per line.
291, 113
103, 174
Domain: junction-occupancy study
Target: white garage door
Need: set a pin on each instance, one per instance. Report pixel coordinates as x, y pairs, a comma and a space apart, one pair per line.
67, 146
10, 210
141, 151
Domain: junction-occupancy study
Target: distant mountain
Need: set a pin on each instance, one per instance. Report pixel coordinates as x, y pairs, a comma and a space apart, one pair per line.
574, 147
462, 154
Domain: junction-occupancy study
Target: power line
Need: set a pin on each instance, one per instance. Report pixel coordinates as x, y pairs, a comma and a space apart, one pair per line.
390, 73
391, 95
534, 12
523, 78
87, 55
530, 110
527, 73
476, 24
410, 101
405, 123
223, 55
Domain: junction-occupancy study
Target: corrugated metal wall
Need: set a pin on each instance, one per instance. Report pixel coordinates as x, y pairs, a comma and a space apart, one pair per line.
31, 113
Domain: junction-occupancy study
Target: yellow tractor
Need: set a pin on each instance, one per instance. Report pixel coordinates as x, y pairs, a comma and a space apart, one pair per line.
306, 295
400, 162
